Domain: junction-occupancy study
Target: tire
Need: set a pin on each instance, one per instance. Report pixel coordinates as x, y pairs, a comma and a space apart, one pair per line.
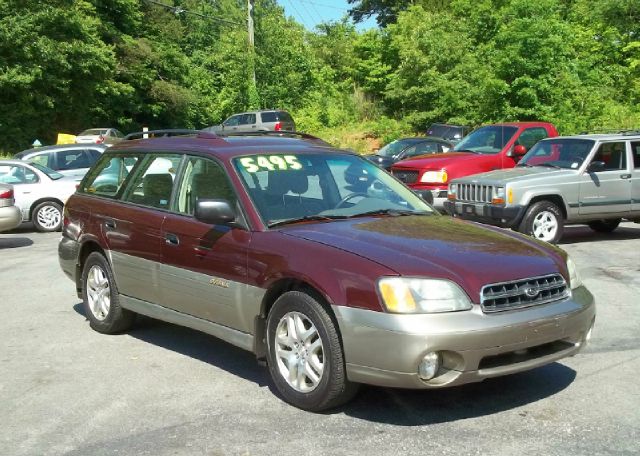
604, 226
544, 221
323, 382
47, 216
100, 297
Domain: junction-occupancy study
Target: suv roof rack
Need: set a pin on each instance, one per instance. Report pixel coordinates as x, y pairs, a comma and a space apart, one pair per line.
612, 131
162, 133
282, 133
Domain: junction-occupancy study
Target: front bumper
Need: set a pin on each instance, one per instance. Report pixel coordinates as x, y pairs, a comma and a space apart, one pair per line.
386, 349
508, 217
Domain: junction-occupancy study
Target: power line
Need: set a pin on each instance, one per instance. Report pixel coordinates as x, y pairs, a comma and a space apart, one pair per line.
298, 14
178, 10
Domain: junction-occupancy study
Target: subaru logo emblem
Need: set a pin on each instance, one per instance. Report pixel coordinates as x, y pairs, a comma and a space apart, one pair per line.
531, 292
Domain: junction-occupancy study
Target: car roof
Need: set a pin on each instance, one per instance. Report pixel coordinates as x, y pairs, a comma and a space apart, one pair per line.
226, 147
14, 162
58, 147
517, 124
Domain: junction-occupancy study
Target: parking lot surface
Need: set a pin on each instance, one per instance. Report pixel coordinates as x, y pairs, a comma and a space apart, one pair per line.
166, 390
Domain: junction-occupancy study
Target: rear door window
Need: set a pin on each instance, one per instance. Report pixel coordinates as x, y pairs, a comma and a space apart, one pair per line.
153, 183
73, 159
635, 151
269, 116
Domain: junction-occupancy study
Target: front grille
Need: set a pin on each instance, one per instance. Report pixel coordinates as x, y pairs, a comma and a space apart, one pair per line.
408, 177
475, 193
523, 293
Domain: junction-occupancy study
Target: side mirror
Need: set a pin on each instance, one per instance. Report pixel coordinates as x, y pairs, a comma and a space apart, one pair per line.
596, 166
214, 212
518, 151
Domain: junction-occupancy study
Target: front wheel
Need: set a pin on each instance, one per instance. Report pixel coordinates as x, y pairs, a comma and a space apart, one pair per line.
544, 221
305, 356
604, 226
47, 216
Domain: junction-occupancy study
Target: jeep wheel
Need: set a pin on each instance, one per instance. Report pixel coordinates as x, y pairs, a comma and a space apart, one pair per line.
47, 216
100, 297
543, 220
305, 356
604, 226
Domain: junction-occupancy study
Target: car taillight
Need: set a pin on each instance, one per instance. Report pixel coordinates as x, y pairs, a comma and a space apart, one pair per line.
278, 126
100, 139
7, 194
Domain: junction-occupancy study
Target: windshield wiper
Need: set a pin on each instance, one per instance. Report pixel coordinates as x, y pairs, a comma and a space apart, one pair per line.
524, 165
306, 218
392, 212
549, 165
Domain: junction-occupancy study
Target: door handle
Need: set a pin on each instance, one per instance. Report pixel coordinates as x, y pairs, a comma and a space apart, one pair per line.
171, 239
110, 224
625, 176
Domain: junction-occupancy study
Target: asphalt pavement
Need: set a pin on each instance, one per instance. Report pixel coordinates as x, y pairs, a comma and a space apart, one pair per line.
165, 390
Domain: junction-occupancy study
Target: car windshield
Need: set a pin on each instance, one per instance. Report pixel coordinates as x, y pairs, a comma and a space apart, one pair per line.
288, 188
93, 132
568, 153
487, 140
48, 171
397, 146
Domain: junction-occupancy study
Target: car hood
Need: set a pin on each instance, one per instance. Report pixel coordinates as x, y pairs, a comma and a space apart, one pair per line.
438, 161
504, 176
470, 254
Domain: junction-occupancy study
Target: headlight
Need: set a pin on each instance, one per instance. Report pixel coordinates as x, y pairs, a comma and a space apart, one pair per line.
413, 295
574, 278
439, 177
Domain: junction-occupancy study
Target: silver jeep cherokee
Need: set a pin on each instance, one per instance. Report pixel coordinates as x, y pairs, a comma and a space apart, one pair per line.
592, 179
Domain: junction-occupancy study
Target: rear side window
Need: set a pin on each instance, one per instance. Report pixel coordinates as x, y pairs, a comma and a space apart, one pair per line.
153, 183
107, 177
270, 116
73, 159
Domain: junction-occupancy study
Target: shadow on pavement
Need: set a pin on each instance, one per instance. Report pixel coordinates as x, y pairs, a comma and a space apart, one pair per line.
577, 234
14, 242
381, 405
197, 345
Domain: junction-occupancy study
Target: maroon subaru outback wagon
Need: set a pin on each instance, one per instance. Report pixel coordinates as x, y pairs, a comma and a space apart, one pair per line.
317, 261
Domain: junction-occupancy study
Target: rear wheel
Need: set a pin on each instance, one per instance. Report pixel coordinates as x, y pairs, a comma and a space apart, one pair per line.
100, 297
47, 216
544, 221
604, 226
306, 359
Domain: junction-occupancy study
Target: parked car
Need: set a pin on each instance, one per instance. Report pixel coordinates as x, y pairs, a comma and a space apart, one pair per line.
69, 159
593, 179
10, 215
99, 136
267, 243
269, 120
453, 133
404, 148
39, 192
487, 148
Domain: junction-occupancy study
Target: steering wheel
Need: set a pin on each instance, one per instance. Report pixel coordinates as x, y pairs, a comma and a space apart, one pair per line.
347, 198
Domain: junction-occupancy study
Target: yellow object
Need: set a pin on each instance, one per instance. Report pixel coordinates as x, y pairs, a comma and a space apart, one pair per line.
64, 138
397, 297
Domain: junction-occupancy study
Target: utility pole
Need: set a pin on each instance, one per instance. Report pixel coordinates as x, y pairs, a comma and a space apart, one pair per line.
254, 98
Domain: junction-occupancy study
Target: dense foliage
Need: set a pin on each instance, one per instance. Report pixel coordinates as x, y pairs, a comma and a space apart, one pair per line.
66, 65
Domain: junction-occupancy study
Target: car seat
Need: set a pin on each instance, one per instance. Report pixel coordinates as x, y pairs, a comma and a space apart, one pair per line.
157, 190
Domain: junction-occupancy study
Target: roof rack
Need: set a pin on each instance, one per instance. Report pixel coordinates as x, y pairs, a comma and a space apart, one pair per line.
612, 131
282, 133
161, 133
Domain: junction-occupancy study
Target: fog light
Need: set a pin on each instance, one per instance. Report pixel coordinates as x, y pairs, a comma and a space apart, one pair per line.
587, 338
429, 366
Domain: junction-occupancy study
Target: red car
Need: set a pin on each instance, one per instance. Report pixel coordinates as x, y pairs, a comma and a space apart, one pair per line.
485, 149
319, 262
